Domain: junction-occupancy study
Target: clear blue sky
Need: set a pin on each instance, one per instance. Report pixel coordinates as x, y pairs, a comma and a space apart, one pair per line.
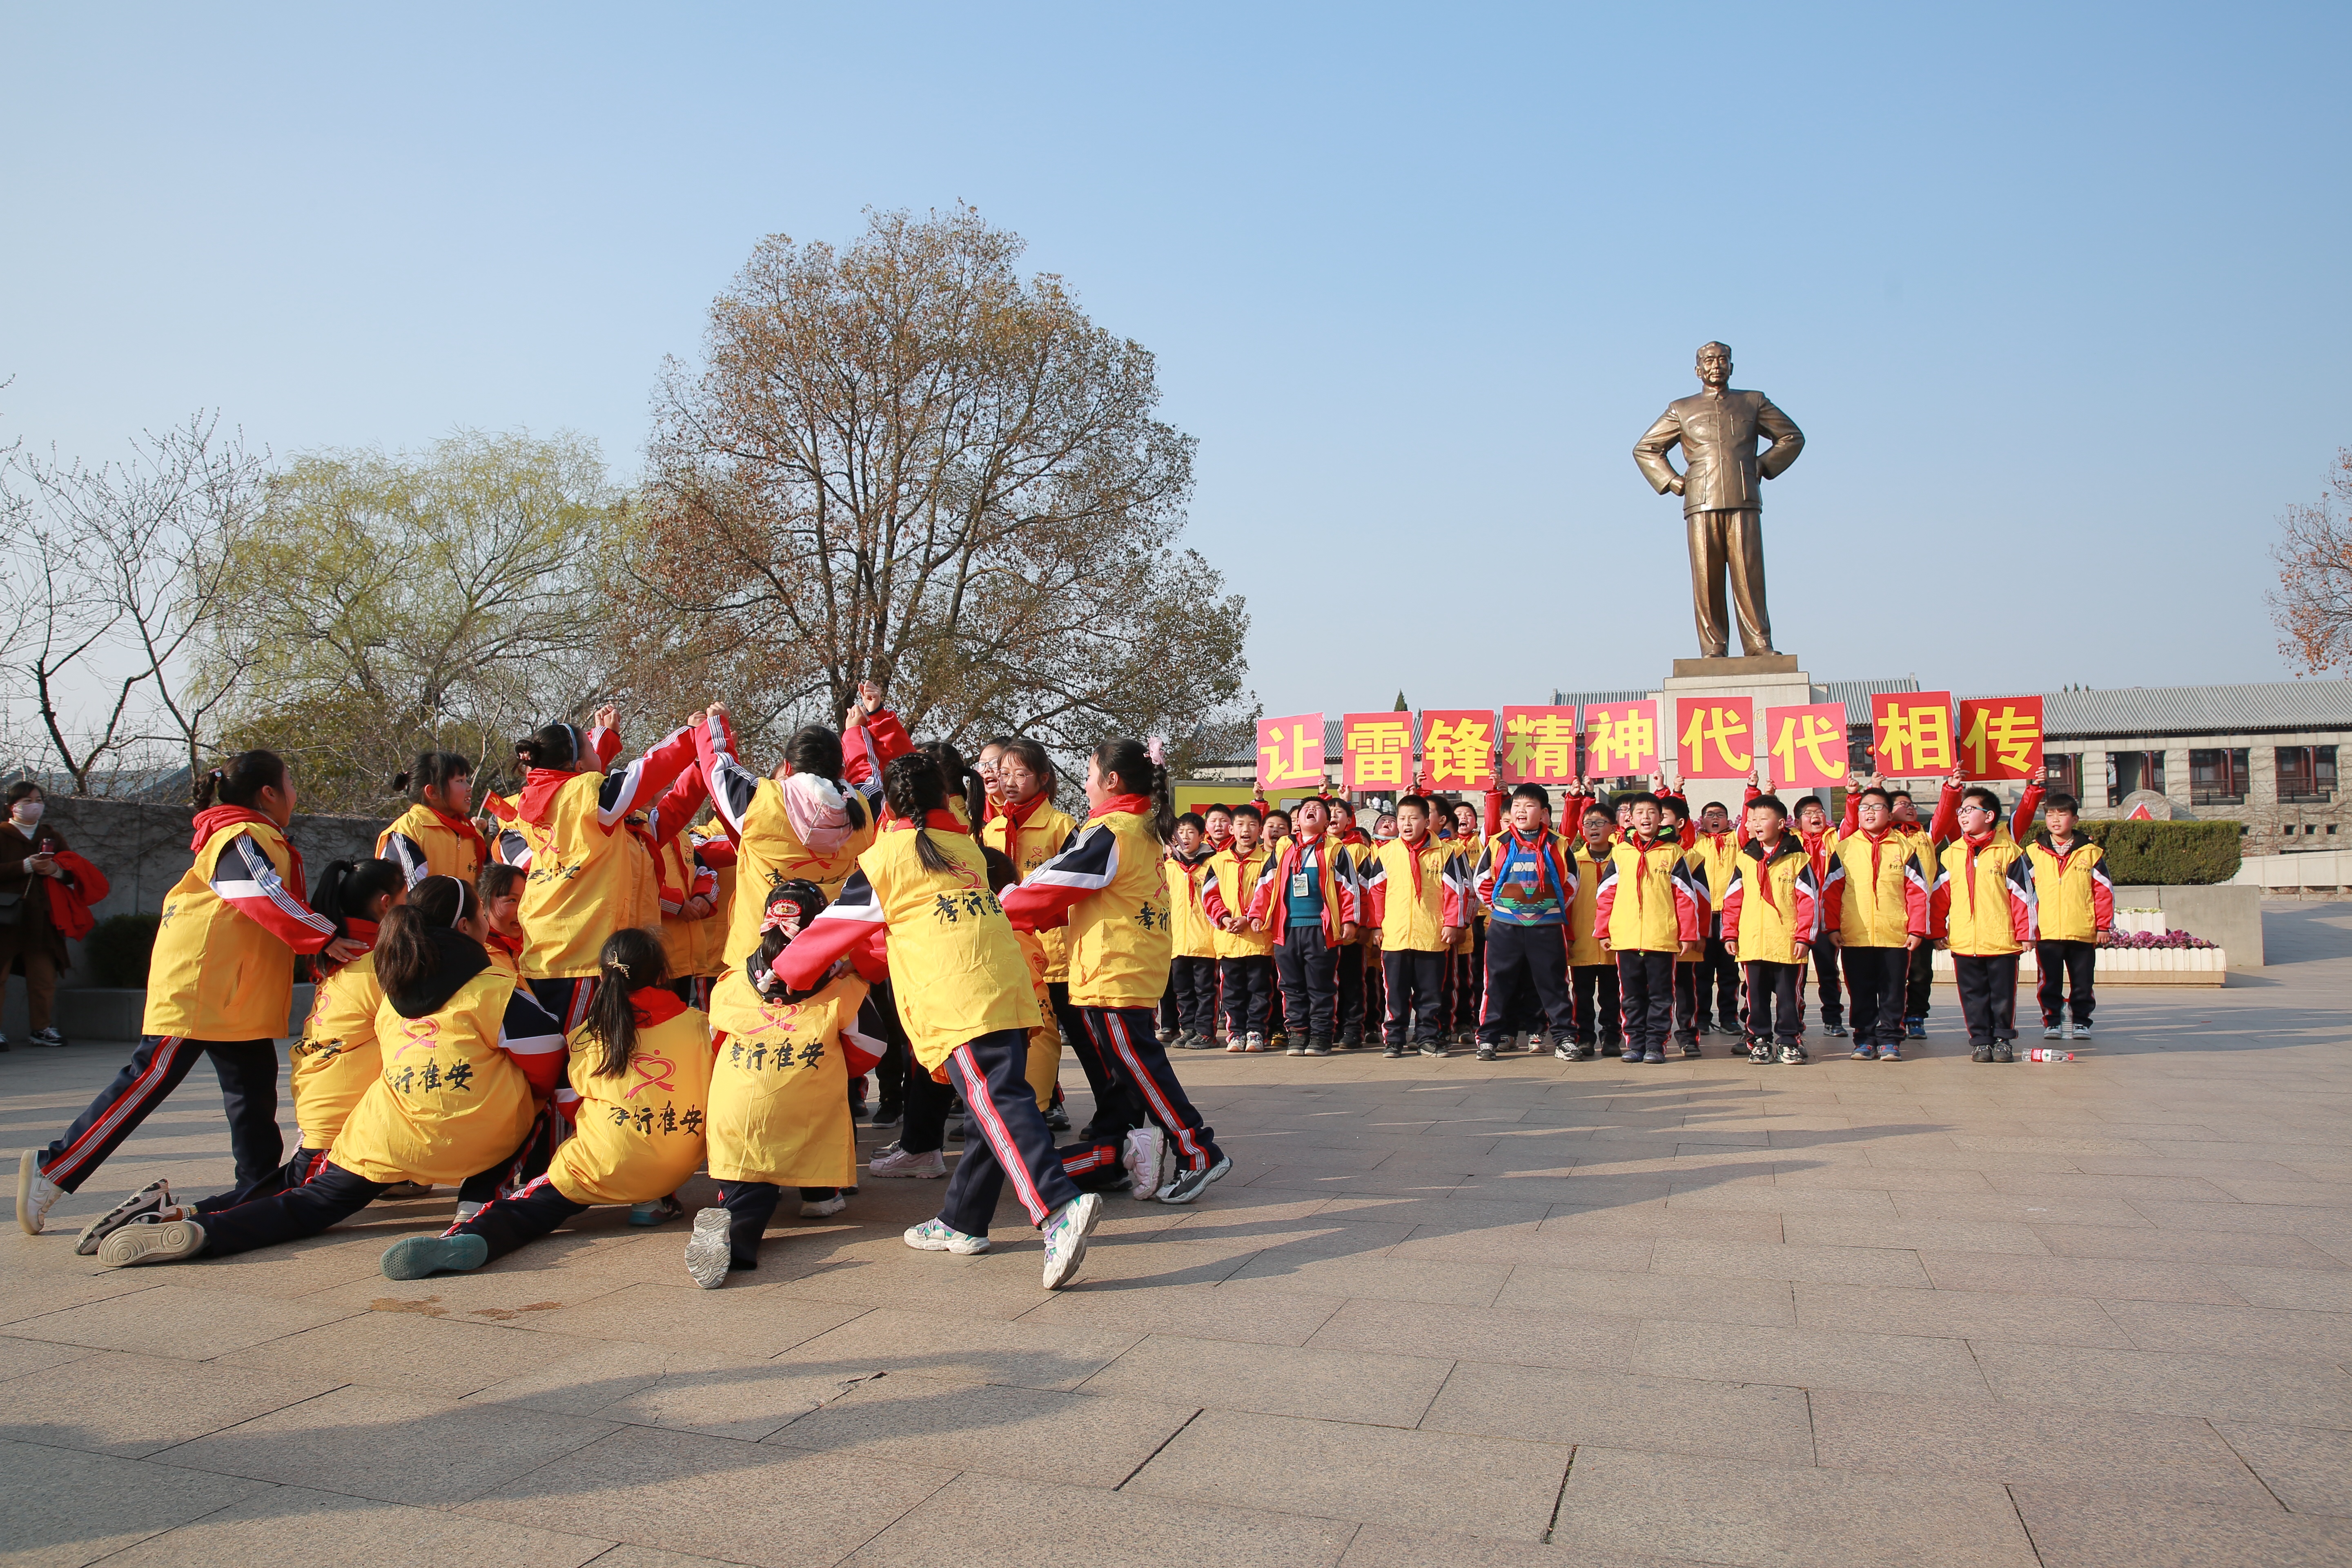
2057, 294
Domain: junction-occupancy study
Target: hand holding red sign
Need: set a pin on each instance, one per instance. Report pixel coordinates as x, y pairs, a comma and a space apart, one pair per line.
1806, 745
2000, 737
1718, 736
1290, 751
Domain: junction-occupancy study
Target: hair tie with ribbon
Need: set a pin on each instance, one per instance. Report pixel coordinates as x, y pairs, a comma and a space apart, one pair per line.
782, 917
1156, 749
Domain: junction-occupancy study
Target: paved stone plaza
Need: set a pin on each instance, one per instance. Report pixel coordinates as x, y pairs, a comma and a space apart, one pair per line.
1442, 1313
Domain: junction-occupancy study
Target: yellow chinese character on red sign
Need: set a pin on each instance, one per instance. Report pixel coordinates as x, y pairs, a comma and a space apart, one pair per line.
1621, 739
1913, 732
1290, 751
1716, 736
1540, 746
1458, 747
2002, 737
1376, 750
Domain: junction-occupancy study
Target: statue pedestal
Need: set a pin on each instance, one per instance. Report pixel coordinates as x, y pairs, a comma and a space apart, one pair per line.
1770, 680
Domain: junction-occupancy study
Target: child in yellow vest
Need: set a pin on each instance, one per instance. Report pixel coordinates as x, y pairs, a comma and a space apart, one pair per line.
1031, 830
1593, 978
1109, 890
640, 1075
590, 875
435, 836
1983, 910
221, 984
1877, 915
1714, 855
781, 1057
2076, 902
466, 1057
333, 1062
1245, 950
1415, 896
1770, 919
1193, 964
1818, 841
1648, 912
963, 996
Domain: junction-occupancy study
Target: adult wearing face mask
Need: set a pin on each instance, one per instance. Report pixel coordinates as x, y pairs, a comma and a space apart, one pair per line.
32, 879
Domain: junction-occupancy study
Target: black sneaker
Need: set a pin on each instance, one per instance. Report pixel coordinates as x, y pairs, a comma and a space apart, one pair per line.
1057, 1119
1317, 1046
2002, 1053
1486, 1050
1351, 1042
1692, 1051
955, 1130
887, 1115
1634, 1054
1760, 1051
1653, 1057
1834, 1031
1392, 1050
1433, 1047
1979, 1051
1190, 1184
44, 1038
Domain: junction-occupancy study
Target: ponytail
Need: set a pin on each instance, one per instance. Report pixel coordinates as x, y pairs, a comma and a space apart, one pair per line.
912, 787
549, 746
813, 749
631, 960
1134, 762
240, 779
405, 954
959, 779
346, 888
432, 770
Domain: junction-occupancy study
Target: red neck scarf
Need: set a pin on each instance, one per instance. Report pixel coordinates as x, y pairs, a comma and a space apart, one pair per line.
1133, 805
1019, 813
1412, 857
538, 787
654, 1005
212, 819
462, 826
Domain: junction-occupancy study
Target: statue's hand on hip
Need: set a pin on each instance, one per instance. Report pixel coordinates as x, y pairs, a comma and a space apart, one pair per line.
1675, 485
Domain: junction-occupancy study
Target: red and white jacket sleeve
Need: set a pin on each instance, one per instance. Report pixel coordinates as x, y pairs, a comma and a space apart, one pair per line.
533, 1037
1605, 898
1690, 901
1833, 886
852, 926
642, 782
1045, 897
869, 747
243, 877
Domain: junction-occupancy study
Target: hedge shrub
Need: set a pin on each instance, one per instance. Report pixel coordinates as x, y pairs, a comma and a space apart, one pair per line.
118, 949
2168, 854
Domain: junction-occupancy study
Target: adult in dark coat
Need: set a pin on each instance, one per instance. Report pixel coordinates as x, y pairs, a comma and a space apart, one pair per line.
30, 943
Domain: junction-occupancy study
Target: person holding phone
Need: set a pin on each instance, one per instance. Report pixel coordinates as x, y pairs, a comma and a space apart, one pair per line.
29, 937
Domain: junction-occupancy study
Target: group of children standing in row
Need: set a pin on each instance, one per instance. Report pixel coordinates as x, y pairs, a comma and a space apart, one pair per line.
1625, 929
580, 998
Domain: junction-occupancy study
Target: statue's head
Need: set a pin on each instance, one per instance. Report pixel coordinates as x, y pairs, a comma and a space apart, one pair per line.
1715, 364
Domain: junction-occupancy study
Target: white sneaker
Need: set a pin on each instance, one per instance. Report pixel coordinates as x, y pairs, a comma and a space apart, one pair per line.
2050, 1033
938, 1236
1145, 1154
818, 1208
1253, 1042
153, 1199
151, 1243
467, 1209
1065, 1238
709, 1254
1791, 1056
1235, 1044
1190, 1184
895, 1161
35, 1192
2073, 1032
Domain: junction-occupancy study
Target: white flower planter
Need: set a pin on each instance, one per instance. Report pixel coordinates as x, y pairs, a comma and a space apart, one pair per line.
2131, 967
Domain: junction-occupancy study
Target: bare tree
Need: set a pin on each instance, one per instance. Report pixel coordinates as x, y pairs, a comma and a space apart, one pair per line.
119, 571
904, 462
2312, 603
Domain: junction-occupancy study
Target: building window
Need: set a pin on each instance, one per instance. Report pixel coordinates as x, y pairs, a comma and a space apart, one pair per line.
2062, 772
2218, 777
1858, 740
2129, 771
2306, 772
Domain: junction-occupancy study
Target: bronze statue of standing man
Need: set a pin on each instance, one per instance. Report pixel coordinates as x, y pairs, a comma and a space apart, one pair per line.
1722, 490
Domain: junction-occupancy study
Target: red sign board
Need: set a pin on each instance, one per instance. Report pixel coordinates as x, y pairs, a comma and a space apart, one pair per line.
1457, 747
2000, 737
1807, 745
1911, 733
1716, 736
1376, 753
1621, 739
1540, 746
1290, 751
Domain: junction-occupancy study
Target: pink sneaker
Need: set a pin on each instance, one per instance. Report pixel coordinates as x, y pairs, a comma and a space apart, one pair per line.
895, 1161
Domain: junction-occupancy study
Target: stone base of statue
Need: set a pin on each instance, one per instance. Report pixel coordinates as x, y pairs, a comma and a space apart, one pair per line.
1746, 664
1770, 680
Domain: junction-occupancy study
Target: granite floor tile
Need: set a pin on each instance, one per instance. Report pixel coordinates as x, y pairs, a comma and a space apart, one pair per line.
1276, 1379
1481, 1334
450, 1357
2169, 1383
2164, 1455
2100, 1278
1740, 1511
1584, 1294
1202, 1311
715, 1497
2308, 1468
47, 1519
1625, 1410
295, 1526
1040, 1434
392, 1446
2170, 1244
2306, 1289
2236, 1330
133, 1405
1032, 1354
986, 1519
2111, 1529
1470, 1485
1919, 1234
1958, 1314
203, 1322
1811, 1358
1822, 1264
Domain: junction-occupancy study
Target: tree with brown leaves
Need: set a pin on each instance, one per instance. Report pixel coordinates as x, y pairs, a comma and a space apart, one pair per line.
904, 462
2313, 605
